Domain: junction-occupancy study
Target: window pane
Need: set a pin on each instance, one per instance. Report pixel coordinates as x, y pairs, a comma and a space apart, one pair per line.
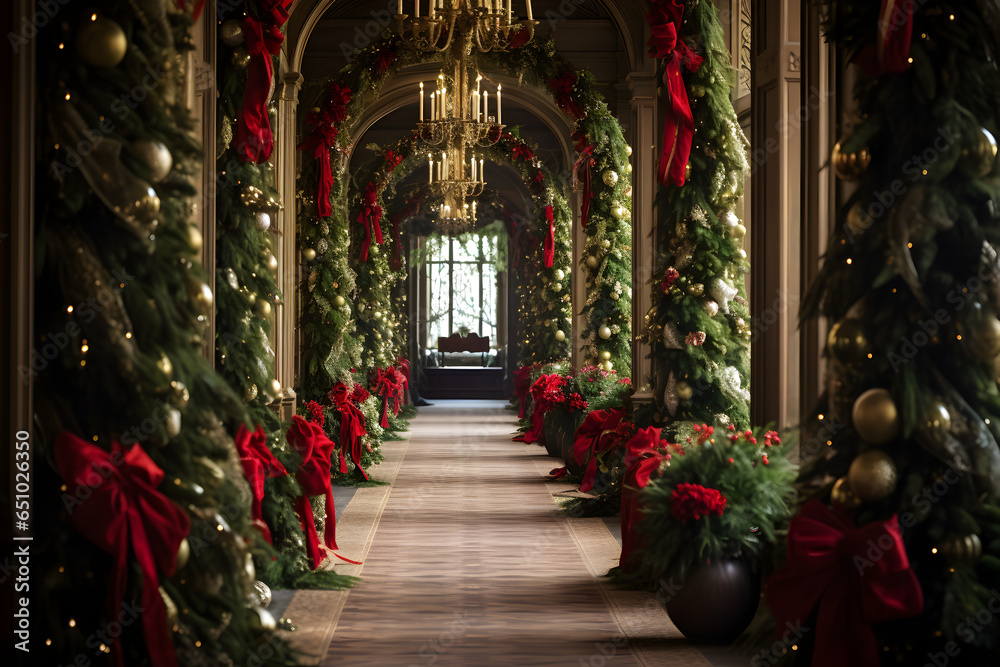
466, 249
437, 318
465, 283
490, 301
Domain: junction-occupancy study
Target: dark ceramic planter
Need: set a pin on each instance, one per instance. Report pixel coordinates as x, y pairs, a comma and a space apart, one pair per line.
716, 603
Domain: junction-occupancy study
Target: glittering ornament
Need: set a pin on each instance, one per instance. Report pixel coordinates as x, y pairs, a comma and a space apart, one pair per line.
156, 155
684, 391
240, 58
604, 332
697, 289
978, 158
961, 549
225, 138
723, 293
610, 177
547, 322
605, 243
730, 219
324, 228
308, 254
872, 476
322, 246
231, 279
842, 496
849, 166
560, 335
875, 417
339, 300
847, 341
712, 308
201, 295
250, 393
101, 42
145, 207
262, 220
231, 32
260, 595
271, 262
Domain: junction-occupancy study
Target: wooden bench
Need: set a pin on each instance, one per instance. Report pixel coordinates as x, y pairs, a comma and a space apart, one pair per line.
470, 343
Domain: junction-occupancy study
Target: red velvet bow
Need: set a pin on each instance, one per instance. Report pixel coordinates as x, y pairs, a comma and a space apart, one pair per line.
550, 237
370, 215
385, 58
562, 88
404, 371
600, 431
258, 463
263, 40
520, 38
313, 475
352, 426
892, 45
857, 576
120, 510
678, 127
522, 385
642, 459
586, 161
389, 385
323, 137
522, 151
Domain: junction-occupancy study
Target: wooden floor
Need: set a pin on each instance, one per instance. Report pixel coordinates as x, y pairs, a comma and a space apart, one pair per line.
472, 563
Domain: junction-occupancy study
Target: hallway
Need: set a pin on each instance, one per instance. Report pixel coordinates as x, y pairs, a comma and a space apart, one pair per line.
472, 563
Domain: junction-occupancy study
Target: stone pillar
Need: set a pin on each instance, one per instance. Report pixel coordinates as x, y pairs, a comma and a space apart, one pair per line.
644, 165
285, 326
578, 287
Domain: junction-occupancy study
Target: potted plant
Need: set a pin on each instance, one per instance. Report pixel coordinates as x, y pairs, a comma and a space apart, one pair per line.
706, 508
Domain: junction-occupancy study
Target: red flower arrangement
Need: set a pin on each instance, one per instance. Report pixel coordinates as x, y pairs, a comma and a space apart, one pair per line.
693, 501
669, 277
316, 414
359, 395
576, 402
562, 88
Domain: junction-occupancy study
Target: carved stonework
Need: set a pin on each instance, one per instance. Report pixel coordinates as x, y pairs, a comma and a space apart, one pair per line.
744, 47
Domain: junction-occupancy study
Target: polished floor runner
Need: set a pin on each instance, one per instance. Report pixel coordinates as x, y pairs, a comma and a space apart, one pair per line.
472, 563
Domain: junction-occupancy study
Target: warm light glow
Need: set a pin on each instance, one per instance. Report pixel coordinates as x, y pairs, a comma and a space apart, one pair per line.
72, 622
933, 550
819, 417
69, 309
849, 260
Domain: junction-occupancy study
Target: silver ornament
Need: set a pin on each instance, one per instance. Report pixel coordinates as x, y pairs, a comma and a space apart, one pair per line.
262, 220
156, 155
231, 32
260, 596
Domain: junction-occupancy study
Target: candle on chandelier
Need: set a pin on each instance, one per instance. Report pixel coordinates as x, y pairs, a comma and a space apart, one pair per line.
472, 167
430, 169
433, 108
528, 2
499, 112
444, 165
430, 11
486, 106
421, 101
508, 9
479, 77
416, 9
482, 174
399, 6
444, 102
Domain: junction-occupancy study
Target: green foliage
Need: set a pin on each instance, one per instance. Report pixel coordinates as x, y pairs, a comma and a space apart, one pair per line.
695, 239
757, 504
121, 297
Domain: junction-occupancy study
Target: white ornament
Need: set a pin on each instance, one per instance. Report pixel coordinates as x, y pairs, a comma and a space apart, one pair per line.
604, 332
560, 274
712, 307
723, 293
263, 221
730, 219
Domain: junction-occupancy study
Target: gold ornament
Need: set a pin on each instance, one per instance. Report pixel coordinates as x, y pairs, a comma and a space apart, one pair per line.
240, 58
309, 254
272, 263
684, 391
250, 393
194, 238
266, 619
248, 567
101, 42
593, 261
977, 159
173, 423
697, 289
173, 616
231, 32
937, 419
610, 177
183, 553
251, 296
156, 155
847, 341
608, 366
986, 337
339, 300
262, 308
144, 208
687, 171
201, 295
875, 418
850, 166
842, 495
547, 322
618, 212
961, 549
275, 388
605, 355
560, 335
212, 467
165, 366
628, 150
605, 243
872, 476
604, 332
738, 231
628, 169
181, 395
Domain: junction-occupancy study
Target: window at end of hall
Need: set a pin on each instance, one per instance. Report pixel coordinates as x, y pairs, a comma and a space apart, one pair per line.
463, 287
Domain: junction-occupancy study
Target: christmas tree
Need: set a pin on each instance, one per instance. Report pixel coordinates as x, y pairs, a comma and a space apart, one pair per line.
698, 326
140, 501
904, 445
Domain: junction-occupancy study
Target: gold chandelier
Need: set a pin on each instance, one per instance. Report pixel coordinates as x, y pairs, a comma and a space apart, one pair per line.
457, 115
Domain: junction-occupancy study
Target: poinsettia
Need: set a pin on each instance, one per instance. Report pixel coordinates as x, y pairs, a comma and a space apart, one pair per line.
694, 501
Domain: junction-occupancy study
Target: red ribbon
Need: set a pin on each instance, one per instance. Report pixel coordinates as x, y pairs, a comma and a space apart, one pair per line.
550, 237
309, 440
892, 45
585, 160
263, 40
562, 88
352, 426
389, 385
369, 216
404, 371
522, 385
602, 430
642, 459
323, 138
258, 464
522, 151
120, 510
678, 127
857, 576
